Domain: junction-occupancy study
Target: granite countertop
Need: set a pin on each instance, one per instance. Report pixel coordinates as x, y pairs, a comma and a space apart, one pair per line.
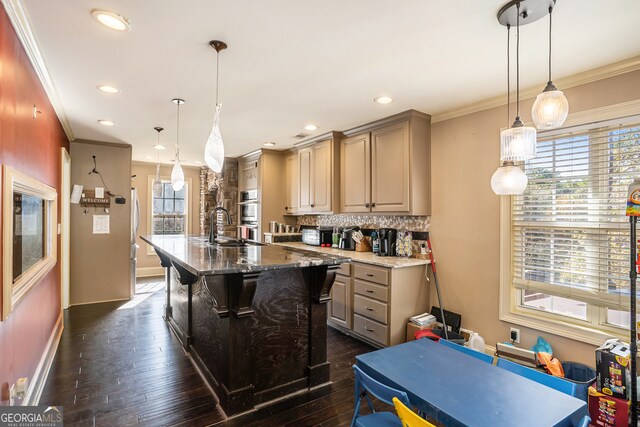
364, 257
198, 257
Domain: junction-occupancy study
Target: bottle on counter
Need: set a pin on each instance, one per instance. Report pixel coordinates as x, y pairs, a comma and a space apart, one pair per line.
375, 242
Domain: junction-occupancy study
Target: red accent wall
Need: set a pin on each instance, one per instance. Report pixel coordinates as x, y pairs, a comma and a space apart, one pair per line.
33, 147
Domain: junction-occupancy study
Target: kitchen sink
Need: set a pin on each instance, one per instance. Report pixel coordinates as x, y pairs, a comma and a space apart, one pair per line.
234, 243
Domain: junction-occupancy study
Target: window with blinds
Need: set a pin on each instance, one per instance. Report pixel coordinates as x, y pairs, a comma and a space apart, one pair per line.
570, 235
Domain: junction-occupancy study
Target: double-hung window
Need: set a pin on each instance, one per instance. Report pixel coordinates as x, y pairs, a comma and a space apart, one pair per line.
569, 236
170, 210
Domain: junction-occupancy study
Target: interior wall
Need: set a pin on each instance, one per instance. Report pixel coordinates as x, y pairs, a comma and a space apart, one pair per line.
101, 263
148, 262
31, 146
465, 217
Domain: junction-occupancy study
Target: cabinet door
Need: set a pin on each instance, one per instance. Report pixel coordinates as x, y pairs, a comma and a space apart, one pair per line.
340, 310
305, 189
321, 178
355, 174
390, 168
291, 184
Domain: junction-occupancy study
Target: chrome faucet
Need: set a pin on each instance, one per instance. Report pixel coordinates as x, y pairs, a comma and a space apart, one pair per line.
213, 232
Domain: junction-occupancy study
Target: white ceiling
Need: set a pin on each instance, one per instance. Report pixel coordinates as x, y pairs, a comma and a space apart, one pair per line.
295, 62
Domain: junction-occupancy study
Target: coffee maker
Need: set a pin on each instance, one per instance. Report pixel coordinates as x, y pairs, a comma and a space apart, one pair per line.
387, 238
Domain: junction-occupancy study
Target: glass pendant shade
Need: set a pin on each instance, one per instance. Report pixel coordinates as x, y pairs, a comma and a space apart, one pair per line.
550, 109
214, 149
177, 176
518, 143
156, 187
509, 180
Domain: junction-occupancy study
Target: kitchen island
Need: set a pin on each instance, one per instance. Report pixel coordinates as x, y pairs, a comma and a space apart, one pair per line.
252, 318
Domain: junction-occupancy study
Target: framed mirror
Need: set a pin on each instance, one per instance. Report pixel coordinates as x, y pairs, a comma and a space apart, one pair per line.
29, 230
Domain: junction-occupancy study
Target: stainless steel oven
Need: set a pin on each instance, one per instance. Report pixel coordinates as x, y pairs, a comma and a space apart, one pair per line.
249, 212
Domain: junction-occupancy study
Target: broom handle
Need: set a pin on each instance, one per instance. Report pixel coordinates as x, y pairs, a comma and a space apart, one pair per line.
435, 279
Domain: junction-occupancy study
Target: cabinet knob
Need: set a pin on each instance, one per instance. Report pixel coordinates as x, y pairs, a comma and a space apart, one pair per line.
367, 308
286, 208
312, 204
367, 205
373, 205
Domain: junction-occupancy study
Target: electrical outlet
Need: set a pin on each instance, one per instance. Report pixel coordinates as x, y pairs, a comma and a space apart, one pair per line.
515, 335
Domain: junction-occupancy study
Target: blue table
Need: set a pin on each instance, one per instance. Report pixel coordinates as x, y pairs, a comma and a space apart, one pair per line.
459, 390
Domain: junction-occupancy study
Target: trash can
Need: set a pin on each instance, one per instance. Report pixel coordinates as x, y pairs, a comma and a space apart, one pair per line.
581, 375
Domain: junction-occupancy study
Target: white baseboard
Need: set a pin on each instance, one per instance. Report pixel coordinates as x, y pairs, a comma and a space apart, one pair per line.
37, 382
149, 271
99, 302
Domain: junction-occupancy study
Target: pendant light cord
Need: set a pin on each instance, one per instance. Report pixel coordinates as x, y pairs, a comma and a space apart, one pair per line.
508, 78
550, 24
518, 62
178, 134
217, 75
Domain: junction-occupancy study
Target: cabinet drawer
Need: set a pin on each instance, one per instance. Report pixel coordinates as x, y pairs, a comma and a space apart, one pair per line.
370, 308
371, 290
371, 273
370, 329
345, 269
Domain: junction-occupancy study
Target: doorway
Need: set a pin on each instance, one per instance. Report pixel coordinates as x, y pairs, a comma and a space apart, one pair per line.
65, 226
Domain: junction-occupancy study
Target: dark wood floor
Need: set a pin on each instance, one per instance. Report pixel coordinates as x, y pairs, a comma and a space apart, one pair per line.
119, 365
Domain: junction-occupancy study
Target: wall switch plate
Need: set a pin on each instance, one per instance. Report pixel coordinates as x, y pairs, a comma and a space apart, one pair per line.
22, 385
515, 335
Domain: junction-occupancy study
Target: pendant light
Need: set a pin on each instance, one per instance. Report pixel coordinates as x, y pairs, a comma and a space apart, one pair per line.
214, 149
177, 175
551, 107
508, 179
518, 143
156, 187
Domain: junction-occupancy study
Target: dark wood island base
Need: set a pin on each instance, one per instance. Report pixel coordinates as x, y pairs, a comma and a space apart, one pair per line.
256, 336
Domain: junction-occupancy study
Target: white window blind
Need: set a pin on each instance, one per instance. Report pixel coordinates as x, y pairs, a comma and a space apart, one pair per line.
570, 235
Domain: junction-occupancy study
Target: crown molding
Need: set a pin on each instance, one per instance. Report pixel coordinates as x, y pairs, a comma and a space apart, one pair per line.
600, 73
20, 21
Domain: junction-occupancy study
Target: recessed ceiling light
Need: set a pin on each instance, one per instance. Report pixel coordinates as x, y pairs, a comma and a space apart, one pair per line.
159, 147
106, 122
383, 100
269, 144
311, 126
148, 157
111, 19
108, 89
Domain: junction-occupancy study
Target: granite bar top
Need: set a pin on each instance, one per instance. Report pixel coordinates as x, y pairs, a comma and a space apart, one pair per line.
198, 257
364, 257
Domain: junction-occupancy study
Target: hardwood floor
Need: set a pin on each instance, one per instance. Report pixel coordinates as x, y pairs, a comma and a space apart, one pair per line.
119, 365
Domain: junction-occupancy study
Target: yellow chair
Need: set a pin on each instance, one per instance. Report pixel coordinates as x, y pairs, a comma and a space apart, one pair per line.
408, 417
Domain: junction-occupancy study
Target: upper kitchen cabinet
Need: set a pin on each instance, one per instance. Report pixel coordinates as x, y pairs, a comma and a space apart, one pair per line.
262, 171
317, 174
385, 166
291, 184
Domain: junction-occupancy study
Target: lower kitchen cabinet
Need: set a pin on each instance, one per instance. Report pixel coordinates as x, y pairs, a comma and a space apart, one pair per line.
340, 308
374, 303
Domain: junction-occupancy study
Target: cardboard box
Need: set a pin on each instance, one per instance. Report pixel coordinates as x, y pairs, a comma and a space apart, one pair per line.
412, 329
607, 411
613, 375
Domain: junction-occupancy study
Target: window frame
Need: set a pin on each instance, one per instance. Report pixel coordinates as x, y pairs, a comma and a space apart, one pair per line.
14, 292
187, 207
594, 330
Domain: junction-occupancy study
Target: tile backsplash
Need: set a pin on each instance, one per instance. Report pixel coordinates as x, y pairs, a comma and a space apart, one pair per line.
412, 223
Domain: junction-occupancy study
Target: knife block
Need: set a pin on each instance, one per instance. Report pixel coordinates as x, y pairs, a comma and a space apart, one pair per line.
363, 246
